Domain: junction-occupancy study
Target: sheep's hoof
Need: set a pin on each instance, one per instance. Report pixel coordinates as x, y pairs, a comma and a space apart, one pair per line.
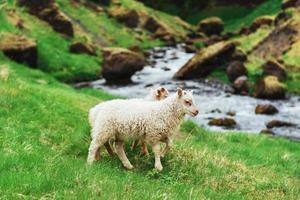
159, 168
128, 166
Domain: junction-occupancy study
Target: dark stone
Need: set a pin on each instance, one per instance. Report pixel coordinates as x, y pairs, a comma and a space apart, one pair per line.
266, 109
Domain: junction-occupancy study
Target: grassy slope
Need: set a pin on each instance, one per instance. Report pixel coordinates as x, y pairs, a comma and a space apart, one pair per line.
45, 135
54, 56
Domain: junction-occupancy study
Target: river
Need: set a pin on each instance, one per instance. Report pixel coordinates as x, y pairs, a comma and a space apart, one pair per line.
212, 97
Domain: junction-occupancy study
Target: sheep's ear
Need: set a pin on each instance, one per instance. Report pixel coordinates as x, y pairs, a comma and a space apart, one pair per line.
162, 89
158, 93
179, 92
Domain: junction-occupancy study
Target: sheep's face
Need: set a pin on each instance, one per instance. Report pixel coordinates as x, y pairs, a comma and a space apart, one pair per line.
186, 98
160, 93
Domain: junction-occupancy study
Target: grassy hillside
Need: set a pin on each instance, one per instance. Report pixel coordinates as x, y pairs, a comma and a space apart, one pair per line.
45, 136
90, 27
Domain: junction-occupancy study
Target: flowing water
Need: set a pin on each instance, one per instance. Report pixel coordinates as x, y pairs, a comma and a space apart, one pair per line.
212, 98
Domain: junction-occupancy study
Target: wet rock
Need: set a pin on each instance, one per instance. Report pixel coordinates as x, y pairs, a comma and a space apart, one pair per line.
236, 69
267, 132
19, 48
206, 60
130, 18
120, 64
266, 109
48, 11
274, 68
190, 49
217, 110
211, 26
261, 21
166, 68
241, 85
270, 88
81, 48
239, 55
231, 113
290, 3
279, 123
225, 122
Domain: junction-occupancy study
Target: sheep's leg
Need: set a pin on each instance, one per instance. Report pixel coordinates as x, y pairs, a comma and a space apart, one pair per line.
122, 156
98, 139
134, 144
144, 149
169, 144
108, 148
93, 151
156, 150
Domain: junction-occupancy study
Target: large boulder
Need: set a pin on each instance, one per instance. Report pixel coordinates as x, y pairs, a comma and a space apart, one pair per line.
274, 68
236, 69
48, 11
270, 88
130, 18
266, 109
19, 49
211, 26
120, 64
206, 60
81, 48
261, 21
159, 30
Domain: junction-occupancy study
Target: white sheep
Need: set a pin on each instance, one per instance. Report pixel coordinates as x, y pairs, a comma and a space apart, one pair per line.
155, 95
150, 121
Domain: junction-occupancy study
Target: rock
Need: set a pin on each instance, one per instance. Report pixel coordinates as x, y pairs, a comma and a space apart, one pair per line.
120, 64
212, 40
267, 132
211, 26
278, 123
281, 18
241, 85
261, 21
166, 68
15, 19
152, 25
236, 69
19, 49
231, 113
290, 3
225, 122
270, 88
48, 11
274, 68
244, 31
266, 109
278, 42
130, 18
239, 55
81, 48
190, 49
206, 60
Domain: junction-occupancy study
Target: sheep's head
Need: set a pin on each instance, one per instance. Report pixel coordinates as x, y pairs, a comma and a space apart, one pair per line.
159, 93
187, 101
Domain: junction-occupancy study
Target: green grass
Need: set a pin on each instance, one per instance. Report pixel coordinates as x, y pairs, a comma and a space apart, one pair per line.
45, 136
108, 29
53, 50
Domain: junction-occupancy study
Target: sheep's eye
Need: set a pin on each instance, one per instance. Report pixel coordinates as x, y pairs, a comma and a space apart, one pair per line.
188, 103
